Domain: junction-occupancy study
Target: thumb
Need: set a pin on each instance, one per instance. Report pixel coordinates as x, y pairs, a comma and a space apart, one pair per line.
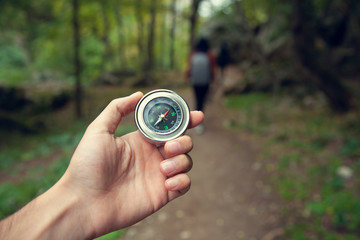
110, 117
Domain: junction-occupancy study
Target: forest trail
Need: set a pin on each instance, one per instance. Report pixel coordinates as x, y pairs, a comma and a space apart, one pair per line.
230, 197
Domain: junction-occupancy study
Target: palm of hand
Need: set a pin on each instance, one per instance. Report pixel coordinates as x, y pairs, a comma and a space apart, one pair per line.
126, 168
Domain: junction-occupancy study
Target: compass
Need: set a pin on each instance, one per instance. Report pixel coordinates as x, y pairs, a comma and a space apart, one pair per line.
162, 115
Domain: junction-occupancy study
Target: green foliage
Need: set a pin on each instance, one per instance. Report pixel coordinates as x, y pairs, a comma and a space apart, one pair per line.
36, 40
11, 56
246, 101
37, 147
308, 148
259, 11
124, 130
254, 118
16, 195
341, 207
92, 50
351, 146
13, 76
12, 64
54, 56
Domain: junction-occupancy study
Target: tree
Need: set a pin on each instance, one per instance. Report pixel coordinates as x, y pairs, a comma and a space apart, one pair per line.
140, 31
269, 75
106, 32
77, 63
172, 34
195, 4
151, 37
149, 62
121, 41
310, 58
113, 33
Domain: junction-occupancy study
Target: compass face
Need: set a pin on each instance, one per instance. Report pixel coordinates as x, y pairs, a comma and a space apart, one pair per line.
162, 115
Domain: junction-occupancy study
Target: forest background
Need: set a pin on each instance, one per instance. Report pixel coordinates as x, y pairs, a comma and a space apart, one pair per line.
56, 54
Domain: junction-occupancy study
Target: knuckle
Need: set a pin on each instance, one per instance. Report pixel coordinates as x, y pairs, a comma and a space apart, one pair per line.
188, 142
186, 163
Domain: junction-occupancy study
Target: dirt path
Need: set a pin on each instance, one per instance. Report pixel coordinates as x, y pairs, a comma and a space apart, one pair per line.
230, 197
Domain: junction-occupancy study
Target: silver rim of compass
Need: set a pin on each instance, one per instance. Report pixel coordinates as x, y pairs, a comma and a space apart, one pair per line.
162, 137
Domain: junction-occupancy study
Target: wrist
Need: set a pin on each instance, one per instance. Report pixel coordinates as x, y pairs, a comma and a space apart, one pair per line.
93, 216
62, 213
56, 214
70, 216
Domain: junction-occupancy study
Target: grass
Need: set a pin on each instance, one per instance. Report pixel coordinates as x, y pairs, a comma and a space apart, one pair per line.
253, 117
307, 148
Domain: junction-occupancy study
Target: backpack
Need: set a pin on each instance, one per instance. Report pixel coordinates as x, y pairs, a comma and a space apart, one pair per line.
200, 69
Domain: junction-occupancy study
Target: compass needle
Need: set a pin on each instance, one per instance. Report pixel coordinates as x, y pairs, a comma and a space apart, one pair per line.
159, 120
167, 112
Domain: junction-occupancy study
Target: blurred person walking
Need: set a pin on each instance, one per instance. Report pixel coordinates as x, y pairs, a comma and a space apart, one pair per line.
223, 60
201, 73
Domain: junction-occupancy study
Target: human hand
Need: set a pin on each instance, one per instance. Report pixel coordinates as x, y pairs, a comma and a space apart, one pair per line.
121, 180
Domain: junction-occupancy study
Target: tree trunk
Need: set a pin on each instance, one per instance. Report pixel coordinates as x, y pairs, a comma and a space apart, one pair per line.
147, 78
195, 4
304, 33
140, 29
105, 36
77, 63
162, 59
172, 34
151, 38
121, 40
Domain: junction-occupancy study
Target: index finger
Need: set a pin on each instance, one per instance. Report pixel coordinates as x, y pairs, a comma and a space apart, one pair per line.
196, 117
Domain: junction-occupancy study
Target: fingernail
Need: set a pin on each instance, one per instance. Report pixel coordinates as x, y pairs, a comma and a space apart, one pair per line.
172, 183
173, 147
168, 166
135, 93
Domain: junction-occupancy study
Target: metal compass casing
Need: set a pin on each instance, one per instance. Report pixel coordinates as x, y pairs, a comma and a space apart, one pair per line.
162, 115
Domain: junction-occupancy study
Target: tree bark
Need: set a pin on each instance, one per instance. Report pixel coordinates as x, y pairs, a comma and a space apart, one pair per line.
304, 34
151, 38
172, 34
121, 40
195, 4
140, 30
105, 35
147, 78
162, 58
77, 63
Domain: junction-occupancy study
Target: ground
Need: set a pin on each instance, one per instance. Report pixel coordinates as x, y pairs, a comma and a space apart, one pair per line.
230, 197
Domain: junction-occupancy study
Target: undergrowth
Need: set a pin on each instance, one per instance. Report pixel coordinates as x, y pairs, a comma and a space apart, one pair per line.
316, 158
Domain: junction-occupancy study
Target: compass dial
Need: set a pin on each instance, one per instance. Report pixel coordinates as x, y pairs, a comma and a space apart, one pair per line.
162, 115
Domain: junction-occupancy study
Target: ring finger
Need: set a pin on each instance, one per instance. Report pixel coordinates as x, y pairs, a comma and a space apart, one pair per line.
179, 164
